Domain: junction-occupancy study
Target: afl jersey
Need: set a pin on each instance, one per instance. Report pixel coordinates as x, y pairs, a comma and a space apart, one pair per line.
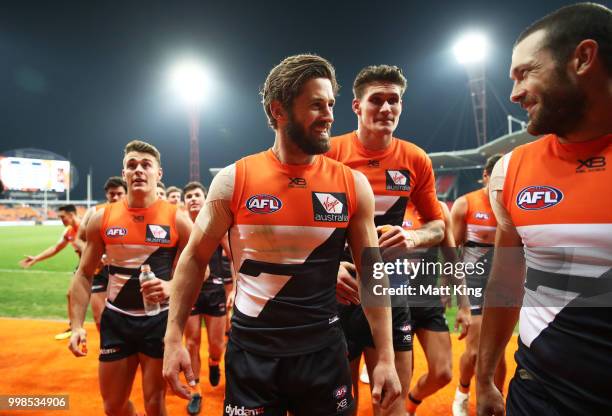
287, 238
398, 174
559, 197
480, 227
133, 237
69, 236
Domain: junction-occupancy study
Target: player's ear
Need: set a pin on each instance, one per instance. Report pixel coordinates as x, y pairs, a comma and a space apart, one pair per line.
585, 55
356, 105
160, 173
278, 111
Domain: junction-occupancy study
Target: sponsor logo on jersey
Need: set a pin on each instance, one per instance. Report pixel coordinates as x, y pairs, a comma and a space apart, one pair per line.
263, 204
534, 198
330, 206
159, 234
373, 163
407, 224
406, 327
341, 405
297, 183
340, 392
592, 164
138, 218
397, 180
116, 232
231, 410
407, 338
481, 216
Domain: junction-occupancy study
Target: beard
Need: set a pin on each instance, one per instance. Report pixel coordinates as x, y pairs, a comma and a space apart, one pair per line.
561, 108
307, 141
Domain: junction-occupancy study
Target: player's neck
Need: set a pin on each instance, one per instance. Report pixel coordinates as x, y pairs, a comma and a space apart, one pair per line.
372, 140
288, 153
595, 123
141, 200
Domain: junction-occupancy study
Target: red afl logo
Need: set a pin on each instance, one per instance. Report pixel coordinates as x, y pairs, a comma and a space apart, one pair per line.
538, 197
263, 204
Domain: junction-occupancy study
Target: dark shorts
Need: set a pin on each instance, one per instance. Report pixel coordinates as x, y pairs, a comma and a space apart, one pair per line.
100, 282
312, 384
358, 335
476, 302
527, 397
211, 301
123, 335
431, 318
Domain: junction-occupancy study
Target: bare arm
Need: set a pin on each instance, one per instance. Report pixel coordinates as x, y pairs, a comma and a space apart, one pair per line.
458, 213
30, 261
81, 237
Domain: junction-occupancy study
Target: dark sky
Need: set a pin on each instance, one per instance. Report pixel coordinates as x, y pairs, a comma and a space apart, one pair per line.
82, 79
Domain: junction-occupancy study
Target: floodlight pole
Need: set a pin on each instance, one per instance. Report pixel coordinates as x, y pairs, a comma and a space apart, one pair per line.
194, 146
477, 84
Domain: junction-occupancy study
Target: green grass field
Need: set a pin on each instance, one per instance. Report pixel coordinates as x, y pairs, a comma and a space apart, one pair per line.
40, 292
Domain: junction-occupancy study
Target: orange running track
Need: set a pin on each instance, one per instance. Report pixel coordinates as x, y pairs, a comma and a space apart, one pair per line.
33, 363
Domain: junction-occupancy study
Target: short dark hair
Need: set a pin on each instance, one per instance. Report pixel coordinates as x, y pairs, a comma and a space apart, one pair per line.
70, 208
285, 80
171, 189
490, 163
194, 185
161, 185
142, 147
378, 73
566, 27
115, 182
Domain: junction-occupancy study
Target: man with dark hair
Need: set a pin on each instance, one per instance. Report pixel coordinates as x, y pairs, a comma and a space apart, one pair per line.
562, 77
139, 233
397, 171
68, 216
473, 224
115, 189
289, 211
174, 195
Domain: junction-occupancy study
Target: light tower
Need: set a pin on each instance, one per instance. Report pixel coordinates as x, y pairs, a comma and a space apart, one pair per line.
190, 81
470, 51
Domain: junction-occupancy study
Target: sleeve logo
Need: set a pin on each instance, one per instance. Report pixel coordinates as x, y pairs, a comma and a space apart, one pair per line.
534, 198
397, 180
330, 207
159, 234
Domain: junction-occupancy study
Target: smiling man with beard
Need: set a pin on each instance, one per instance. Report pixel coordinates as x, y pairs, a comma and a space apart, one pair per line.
554, 197
289, 211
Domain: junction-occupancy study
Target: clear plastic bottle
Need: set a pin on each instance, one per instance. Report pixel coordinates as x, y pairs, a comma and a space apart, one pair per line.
151, 308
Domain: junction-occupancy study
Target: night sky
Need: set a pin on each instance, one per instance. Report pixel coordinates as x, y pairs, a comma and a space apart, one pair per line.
82, 79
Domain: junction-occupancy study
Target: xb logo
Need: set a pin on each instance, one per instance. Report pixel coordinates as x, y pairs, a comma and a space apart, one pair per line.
592, 163
297, 183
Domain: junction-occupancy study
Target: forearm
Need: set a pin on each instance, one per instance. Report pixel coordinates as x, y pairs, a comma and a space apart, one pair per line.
430, 234
379, 319
80, 292
497, 327
186, 285
49, 252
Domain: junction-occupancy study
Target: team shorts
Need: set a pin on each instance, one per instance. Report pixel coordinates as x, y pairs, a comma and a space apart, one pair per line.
358, 335
100, 281
476, 302
211, 301
123, 335
312, 384
431, 318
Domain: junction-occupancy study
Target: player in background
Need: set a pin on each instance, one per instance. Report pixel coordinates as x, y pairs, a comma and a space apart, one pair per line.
161, 190
289, 211
70, 220
114, 190
174, 195
553, 197
474, 227
398, 171
139, 230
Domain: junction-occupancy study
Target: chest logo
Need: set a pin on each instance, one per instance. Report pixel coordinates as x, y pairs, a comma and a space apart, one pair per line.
534, 198
263, 204
159, 234
330, 206
481, 216
397, 180
116, 232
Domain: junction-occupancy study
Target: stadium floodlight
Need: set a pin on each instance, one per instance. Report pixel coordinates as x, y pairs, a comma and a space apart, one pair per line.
471, 48
470, 51
191, 81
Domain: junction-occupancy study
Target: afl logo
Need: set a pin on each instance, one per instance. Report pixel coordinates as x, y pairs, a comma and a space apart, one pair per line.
116, 232
263, 204
538, 197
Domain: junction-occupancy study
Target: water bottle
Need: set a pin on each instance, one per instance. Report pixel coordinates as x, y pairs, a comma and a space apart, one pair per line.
150, 308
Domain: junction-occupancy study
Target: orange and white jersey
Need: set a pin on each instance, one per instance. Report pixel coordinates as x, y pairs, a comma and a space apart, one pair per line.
398, 174
559, 197
287, 239
69, 236
133, 237
412, 219
479, 218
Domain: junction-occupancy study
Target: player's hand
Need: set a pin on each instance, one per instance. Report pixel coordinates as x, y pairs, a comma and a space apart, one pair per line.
396, 236
155, 290
231, 297
28, 262
489, 400
347, 289
78, 342
176, 360
386, 387
463, 320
